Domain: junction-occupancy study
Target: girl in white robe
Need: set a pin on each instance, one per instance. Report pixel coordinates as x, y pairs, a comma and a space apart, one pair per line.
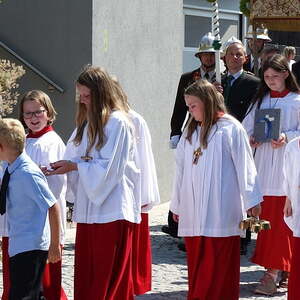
104, 180
292, 211
215, 185
278, 90
141, 248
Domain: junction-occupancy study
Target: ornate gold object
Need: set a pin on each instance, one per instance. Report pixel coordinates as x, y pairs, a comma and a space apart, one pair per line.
279, 15
197, 153
255, 224
86, 158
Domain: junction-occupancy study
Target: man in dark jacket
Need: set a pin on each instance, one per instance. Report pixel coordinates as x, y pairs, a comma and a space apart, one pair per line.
262, 38
206, 55
239, 86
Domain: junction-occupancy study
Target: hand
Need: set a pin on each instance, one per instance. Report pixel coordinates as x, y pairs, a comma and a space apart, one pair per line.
253, 143
43, 169
175, 218
61, 167
287, 210
254, 211
218, 86
54, 254
280, 142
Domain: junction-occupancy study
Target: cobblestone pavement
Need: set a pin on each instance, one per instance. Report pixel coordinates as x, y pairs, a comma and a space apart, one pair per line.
169, 266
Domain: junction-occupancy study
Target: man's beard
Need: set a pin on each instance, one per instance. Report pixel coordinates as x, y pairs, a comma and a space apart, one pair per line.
209, 67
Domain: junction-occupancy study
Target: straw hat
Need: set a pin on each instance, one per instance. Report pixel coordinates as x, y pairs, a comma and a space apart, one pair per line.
261, 33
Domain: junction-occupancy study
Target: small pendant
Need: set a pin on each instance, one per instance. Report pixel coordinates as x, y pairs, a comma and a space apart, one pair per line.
86, 158
197, 154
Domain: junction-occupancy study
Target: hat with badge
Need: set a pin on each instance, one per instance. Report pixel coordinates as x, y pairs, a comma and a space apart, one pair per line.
261, 33
206, 44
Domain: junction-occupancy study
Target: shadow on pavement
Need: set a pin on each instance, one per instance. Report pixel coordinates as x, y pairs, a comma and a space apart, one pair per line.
166, 295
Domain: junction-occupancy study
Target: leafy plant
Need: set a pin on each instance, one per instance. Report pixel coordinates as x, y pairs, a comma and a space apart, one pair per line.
9, 74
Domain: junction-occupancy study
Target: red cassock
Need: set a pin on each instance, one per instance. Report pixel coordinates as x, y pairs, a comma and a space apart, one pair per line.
52, 288
294, 278
141, 257
213, 267
274, 247
103, 261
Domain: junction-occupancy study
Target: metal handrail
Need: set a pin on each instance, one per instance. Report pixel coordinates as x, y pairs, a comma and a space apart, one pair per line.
31, 67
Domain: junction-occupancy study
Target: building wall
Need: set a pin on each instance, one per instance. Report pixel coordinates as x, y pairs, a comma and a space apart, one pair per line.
55, 37
141, 42
197, 22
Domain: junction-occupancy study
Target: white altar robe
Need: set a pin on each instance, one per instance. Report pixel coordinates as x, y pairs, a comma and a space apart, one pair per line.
145, 162
269, 161
292, 183
44, 150
212, 196
103, 189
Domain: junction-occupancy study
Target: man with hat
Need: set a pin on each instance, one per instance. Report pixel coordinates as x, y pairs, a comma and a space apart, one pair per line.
261, 39
206, 55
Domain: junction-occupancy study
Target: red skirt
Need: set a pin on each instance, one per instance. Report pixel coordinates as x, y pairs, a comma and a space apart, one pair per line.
52, 288
103, 261
141, 257
213, 267
294, 278
274, 247
5, 268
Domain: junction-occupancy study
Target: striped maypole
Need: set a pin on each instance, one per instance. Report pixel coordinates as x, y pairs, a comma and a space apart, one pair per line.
216, 33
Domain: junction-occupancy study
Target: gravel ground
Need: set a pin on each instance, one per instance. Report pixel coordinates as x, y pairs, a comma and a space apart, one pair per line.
169, 266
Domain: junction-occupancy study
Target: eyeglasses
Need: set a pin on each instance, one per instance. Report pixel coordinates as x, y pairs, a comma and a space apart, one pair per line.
37, 114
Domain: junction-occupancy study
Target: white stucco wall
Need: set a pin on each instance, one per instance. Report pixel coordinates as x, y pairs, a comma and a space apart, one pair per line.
141, 42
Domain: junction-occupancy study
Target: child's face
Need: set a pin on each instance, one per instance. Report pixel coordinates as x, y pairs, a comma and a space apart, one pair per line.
35, 115
195, 106
84, 94
275, 80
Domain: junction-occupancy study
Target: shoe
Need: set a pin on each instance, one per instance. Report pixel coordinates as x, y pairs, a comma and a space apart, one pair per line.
181, 246
267, 285
243, 249
166, 229
284, 278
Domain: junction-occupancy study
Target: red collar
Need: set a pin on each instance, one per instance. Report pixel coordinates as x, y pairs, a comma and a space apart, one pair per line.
39, 133
275, 94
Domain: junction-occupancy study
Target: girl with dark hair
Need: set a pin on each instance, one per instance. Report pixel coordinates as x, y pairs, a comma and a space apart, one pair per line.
104, 180
215, 186
278, 90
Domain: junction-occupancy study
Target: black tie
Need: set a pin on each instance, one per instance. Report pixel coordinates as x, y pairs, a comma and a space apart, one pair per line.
206, 75
3, 191
227, 87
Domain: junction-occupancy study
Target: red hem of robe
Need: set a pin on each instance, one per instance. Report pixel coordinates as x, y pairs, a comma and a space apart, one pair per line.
141, 257
103, 261
274, 247
213, 267
294, 278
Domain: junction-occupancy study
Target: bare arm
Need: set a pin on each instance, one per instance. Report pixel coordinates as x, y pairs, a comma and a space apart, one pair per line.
54, 254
